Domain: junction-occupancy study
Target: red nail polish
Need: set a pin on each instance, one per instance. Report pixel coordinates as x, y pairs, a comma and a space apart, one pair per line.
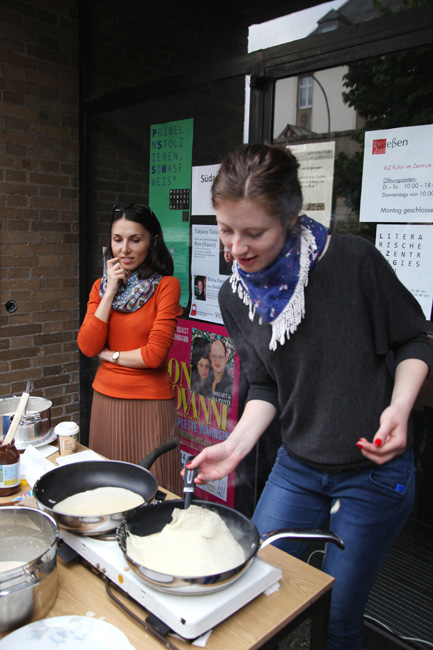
358, 444
188, 465
378, 442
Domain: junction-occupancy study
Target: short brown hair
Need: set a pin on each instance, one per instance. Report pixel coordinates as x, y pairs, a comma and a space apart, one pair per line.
260, 173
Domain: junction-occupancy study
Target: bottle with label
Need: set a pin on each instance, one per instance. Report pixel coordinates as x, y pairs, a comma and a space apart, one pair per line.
9, 469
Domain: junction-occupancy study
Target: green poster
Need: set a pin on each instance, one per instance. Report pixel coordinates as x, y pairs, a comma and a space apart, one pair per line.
170, 189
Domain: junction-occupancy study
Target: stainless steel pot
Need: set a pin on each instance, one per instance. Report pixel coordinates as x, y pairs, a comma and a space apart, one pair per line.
28, 592
154, 517
35, 425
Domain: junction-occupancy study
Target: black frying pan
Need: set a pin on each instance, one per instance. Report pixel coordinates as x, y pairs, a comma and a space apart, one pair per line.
153, 518
67, 480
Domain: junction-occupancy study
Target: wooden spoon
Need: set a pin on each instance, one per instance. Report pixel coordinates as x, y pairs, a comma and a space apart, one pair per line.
18, 415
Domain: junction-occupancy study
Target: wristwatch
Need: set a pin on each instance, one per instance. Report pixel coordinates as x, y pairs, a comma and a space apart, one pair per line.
116, 356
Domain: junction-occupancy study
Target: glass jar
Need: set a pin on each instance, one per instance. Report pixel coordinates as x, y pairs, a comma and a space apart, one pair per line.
9, 470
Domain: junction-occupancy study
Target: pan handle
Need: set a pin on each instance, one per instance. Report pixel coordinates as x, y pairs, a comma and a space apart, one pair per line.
148, 460
301, 536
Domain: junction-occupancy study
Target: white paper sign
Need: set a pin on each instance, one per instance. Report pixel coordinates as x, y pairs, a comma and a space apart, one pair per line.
316, 173
397, 180
209, 269
409, 251
202, 179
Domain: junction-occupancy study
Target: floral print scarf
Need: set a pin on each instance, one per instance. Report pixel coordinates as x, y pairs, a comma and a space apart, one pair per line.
277, 291
133, 293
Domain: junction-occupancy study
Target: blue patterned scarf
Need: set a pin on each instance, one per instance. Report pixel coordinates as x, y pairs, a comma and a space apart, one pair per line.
277, 291
133, 293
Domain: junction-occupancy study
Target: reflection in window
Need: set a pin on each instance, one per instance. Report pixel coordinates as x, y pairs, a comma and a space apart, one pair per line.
305, 92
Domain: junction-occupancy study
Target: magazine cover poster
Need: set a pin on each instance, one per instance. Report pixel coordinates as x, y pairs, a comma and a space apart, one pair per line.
204, 369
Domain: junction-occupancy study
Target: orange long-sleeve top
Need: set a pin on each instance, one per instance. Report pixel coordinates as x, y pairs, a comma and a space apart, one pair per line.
151, 328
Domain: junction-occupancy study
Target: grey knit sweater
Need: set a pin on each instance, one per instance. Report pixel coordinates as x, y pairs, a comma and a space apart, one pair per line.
333, 378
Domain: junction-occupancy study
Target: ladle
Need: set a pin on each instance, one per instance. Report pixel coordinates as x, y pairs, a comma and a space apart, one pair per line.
22, 405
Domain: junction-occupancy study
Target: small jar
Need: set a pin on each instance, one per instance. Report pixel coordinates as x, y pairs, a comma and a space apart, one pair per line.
10, 480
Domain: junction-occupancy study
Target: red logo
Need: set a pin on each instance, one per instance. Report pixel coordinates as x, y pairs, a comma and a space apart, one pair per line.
379, 146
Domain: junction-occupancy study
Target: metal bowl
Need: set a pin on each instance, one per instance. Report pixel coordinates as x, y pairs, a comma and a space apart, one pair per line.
35, 425
29, 591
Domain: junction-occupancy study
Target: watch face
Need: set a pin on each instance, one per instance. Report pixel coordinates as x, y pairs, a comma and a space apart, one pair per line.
116, 356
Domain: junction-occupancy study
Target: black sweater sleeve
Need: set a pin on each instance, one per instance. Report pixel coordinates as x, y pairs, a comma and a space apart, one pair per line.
261, 385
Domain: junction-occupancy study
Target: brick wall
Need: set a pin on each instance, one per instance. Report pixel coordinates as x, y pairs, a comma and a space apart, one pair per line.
39, 201
137, 41
126, 44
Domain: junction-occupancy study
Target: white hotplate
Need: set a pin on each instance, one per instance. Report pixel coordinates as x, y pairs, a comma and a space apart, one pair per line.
188, 616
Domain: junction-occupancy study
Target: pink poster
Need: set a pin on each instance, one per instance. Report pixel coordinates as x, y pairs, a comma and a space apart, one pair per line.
205, 372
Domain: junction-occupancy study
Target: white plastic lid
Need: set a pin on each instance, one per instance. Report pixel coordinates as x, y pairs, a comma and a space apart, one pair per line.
66, 428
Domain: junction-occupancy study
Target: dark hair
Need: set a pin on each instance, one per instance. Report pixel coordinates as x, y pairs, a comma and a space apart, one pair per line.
261, 173
159, 259
200, 350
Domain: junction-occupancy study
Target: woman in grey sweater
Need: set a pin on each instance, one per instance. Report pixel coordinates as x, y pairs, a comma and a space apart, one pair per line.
333, 344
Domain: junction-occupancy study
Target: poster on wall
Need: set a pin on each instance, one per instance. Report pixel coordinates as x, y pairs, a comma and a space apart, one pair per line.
211, 265
316, 174
202, 179
170, 190
408, 248
397, 177
204, 369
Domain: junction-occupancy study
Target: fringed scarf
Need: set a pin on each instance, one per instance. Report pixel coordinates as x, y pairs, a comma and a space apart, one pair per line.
277, 291
133, 293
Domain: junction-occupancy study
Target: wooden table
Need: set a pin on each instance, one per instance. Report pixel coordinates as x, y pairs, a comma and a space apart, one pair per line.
304, 591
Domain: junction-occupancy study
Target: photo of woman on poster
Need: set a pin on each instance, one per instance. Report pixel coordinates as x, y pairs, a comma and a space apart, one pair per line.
200, 287
200, 367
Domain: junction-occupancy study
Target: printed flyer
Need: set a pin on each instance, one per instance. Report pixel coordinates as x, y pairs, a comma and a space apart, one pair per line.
316, 174
408, 248
204, 369
210, 267
397, 178
211, 264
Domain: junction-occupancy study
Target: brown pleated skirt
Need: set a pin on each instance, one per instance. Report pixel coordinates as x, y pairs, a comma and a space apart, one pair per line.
128, 429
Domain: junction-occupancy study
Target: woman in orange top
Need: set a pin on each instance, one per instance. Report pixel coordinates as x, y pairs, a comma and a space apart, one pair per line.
130, 323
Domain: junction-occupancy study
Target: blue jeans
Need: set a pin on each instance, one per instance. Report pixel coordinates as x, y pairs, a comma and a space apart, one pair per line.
369, 508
